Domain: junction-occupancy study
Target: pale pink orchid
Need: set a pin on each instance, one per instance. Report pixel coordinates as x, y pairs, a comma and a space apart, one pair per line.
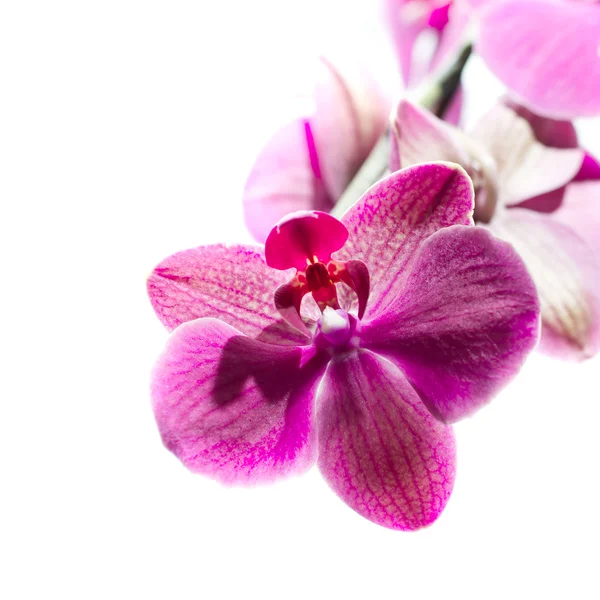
311, 158
547, 52
536, 189
351, 343
409, 20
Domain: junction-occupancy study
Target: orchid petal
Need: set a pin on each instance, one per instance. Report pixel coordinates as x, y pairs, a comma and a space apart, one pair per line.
525, 167
301, 237
461, 328
453, 112
590, 169
550, 132
356, 275
395, 216
567, 277
307, 164
232, 283
285, 178
379, 448
546, 53
454, 34
351, 114
580, 210
234, 408
288, 300
407, 20
422, 137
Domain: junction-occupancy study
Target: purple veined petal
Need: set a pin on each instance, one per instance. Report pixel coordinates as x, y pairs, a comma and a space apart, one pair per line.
231, 283
422, 137
546, 53
300, 237
351, 114
284, 178
396, 215
567, 277
379, 448
525, 167
234, 408
464, 322
550, 132
580, 210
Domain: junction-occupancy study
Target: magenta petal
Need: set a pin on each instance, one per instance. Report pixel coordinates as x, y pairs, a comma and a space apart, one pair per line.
288, 300
395, 216
359, 280
283, 179
379, 448
301, 236
229, 283
546, 53
234, 408
463, 324
567, 276
590, 169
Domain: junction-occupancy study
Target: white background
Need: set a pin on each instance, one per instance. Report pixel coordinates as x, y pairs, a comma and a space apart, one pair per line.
126, 131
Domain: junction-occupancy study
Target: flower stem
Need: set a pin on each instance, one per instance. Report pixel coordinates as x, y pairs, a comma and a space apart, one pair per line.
435, 96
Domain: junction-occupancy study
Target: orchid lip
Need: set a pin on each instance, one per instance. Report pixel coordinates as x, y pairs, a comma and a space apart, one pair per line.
305, 241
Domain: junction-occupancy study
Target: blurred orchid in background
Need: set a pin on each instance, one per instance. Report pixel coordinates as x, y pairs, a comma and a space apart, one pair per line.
309, 161
442, 316
545, 51
523, 167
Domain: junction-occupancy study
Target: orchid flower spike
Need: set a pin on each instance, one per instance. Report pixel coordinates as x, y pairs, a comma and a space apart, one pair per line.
309, 161
349, 343
535, 188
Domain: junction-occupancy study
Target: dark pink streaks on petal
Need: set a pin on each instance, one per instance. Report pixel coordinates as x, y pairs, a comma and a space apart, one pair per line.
379, 448
231, 283
351, 114
301, 236
283, 179
463, 323
395, 216
233, 408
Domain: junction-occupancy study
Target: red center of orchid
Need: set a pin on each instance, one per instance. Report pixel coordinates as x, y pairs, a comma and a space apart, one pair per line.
305, 241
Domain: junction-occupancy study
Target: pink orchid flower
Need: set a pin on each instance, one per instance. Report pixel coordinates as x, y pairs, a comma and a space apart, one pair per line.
547, 52
348, 343
408, 20
311, 159
534, 186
